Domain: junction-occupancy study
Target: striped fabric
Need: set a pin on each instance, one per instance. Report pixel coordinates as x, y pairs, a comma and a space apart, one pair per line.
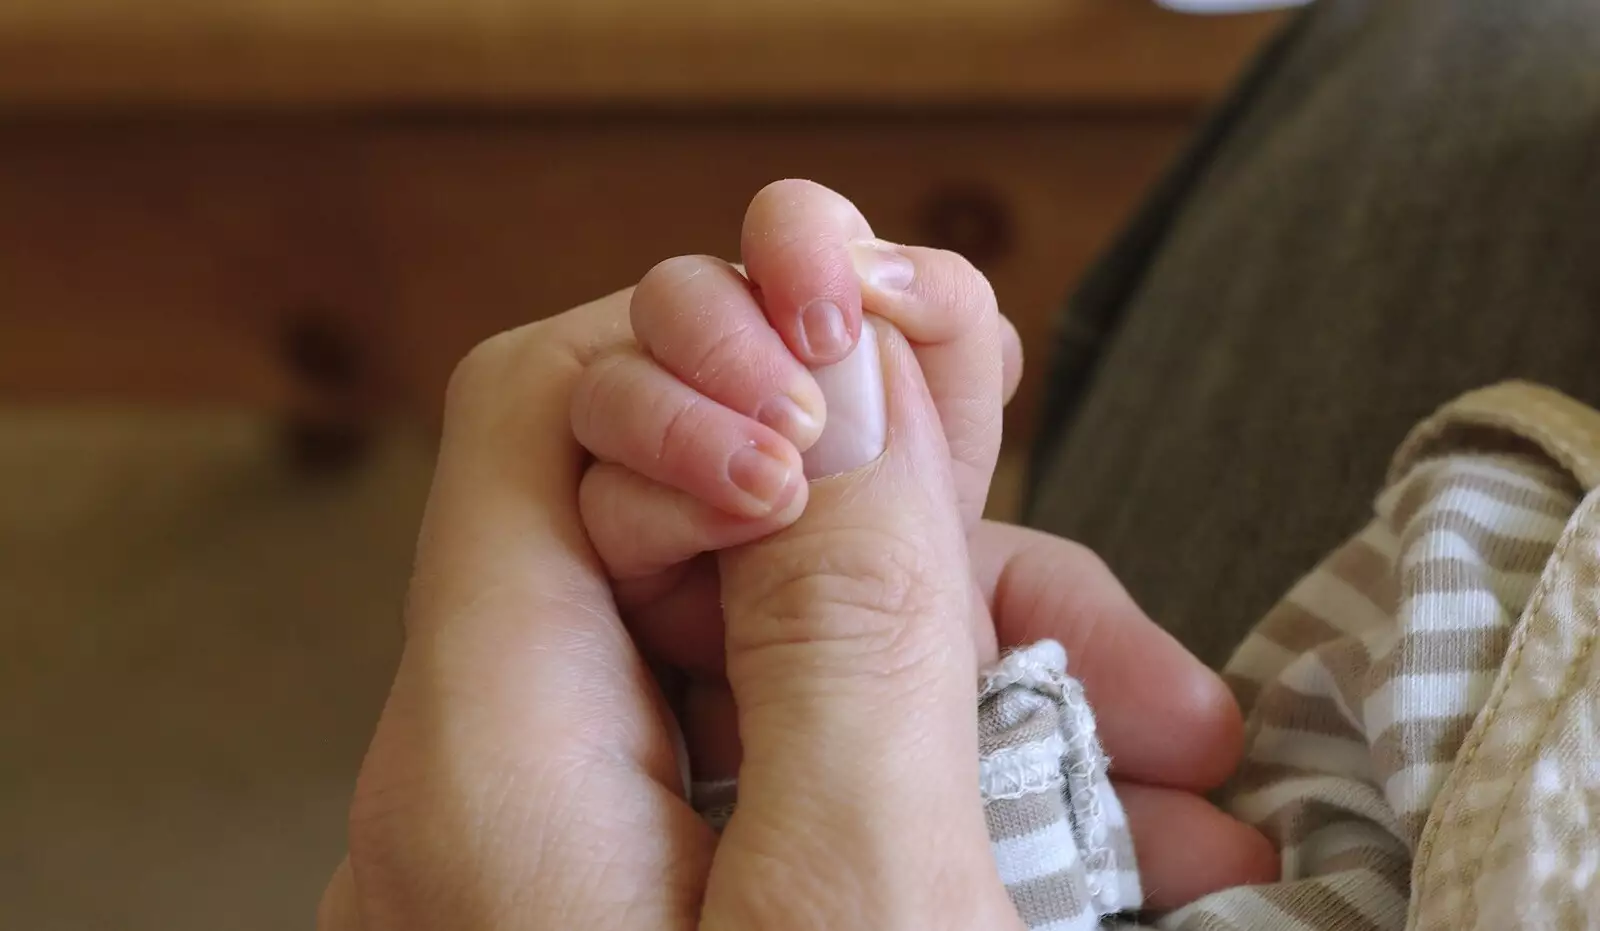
1060, 840
1422, 709
1423, 712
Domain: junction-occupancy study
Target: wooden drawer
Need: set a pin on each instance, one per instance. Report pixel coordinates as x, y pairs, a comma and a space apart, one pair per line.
349, 264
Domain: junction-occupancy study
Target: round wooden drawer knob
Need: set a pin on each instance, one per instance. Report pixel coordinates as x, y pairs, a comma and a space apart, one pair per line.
970, 219
321, 352
326, 434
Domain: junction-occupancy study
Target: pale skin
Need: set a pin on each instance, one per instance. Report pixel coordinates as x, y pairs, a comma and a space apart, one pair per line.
591, 534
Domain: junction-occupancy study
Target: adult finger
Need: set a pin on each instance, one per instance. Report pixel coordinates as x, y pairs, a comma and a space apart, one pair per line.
852, 670
338, 910
522, 721
1188, 848
1165, 718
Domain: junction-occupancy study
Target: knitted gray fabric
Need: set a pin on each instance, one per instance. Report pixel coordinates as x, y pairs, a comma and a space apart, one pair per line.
1397, 206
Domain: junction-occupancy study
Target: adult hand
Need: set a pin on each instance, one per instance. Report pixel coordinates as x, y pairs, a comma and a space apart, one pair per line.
523, 776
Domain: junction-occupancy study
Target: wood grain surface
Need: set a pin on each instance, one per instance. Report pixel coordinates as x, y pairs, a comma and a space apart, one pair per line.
280, 263
101, 54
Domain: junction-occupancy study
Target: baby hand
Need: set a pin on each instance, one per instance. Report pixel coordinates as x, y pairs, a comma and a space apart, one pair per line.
707, 428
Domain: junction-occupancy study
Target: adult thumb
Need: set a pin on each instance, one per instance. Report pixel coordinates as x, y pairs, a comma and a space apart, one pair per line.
854, 675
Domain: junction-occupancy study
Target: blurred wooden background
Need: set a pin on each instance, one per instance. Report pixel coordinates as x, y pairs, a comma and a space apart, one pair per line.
317, 206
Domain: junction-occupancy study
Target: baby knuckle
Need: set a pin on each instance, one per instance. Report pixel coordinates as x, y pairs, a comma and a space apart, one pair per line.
595, 396
663, 282
683, 428
727, 349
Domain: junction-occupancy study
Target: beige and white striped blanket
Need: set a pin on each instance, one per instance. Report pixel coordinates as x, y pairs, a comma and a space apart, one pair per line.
1423, 712
1424, 708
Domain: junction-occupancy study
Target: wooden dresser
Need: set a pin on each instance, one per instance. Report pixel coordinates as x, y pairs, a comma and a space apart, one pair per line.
316, 206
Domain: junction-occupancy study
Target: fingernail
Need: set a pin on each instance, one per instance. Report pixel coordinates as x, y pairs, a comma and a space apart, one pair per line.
822, 327
790, 418
857, 428
764, 479
879, 265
